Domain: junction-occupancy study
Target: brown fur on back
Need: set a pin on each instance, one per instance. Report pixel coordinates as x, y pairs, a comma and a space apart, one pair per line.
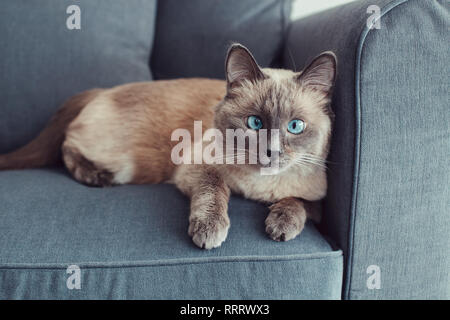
123, 135
126, 130
171, 105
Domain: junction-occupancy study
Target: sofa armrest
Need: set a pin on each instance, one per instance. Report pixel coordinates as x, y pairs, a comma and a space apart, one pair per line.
388, 194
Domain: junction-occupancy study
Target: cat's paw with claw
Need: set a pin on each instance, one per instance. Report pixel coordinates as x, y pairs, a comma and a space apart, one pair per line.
285, 221
210, 231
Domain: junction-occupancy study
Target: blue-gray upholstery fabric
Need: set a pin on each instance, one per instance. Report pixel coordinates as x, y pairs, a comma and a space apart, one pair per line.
388, 199
131, 242
192, 36
42, 62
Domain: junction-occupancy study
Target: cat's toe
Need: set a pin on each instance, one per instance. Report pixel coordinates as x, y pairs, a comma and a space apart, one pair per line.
209, 232
281, 226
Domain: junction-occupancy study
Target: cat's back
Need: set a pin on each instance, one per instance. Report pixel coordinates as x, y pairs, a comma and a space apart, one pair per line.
161, 95
160, 106
131, 125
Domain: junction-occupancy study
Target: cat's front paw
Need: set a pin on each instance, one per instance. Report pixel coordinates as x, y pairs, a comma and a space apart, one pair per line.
209, 232
285, 221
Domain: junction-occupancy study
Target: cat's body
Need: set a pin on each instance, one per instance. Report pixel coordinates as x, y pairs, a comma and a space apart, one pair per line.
127, 130
123, 135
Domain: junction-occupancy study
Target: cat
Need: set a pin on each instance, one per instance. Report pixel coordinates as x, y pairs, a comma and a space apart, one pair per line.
122, 135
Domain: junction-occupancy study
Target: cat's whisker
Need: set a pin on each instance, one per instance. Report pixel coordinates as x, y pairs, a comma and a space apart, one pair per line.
230, 157
309, 155
305, 161
224, 158
247, 151
314, 160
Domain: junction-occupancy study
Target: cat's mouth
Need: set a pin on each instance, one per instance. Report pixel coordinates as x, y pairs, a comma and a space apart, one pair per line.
273, 163
278, 162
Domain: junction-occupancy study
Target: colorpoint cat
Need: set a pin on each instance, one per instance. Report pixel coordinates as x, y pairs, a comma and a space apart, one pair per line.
123, 135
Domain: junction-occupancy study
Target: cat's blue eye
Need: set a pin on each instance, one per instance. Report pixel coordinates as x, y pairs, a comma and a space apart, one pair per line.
254, 122
296, 126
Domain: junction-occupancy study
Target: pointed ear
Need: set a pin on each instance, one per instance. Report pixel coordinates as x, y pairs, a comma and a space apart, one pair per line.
320, 74
240, 65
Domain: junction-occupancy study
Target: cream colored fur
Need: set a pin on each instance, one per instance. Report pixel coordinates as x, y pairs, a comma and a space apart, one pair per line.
123, 135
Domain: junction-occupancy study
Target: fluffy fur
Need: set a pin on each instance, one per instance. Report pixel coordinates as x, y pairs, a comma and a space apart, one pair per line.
122, 135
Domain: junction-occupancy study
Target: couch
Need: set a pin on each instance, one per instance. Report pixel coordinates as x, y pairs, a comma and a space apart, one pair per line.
386, 221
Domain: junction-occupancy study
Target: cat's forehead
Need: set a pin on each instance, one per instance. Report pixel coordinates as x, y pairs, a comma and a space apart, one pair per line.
279, 92
278, 95
279, 74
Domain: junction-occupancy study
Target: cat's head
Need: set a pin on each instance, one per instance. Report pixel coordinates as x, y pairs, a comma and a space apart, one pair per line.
295, 103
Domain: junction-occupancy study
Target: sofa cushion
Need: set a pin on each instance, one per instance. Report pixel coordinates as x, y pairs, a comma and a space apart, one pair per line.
131, 242
42, 62
192, 37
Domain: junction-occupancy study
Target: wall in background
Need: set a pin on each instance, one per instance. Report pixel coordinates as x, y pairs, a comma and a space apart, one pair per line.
303, 8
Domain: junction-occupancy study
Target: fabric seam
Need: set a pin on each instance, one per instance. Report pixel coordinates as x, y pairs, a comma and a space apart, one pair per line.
170, 262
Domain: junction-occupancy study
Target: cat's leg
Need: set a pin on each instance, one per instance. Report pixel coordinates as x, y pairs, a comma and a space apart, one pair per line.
287, 218
208, 219
84, 170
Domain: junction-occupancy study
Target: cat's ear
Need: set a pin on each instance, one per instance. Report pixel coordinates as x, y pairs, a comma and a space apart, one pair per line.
240, 65
320, 74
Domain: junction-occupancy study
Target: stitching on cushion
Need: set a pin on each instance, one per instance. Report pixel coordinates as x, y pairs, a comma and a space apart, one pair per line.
168, 262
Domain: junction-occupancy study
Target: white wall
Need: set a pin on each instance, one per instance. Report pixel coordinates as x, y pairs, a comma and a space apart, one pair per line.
303, 8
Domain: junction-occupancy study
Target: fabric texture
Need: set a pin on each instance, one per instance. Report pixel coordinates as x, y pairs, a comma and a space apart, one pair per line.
131, 242
192, 37
388, 197
42, 62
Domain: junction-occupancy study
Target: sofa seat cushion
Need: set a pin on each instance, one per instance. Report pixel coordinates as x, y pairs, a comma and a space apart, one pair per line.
131, 242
